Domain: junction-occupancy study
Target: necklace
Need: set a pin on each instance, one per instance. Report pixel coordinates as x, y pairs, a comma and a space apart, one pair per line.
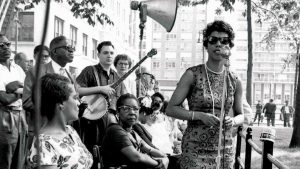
210, 90
207, 68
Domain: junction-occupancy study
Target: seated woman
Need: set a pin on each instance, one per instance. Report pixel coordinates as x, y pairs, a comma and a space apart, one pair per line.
139, 128
122, 146
60, 145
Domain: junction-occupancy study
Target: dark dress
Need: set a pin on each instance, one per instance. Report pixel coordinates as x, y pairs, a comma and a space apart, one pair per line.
200, 142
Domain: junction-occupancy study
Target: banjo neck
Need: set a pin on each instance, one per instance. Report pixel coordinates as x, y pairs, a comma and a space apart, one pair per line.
119, 81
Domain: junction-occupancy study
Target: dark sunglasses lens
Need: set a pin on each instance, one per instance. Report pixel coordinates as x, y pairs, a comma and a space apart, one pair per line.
225, 41
214, 40
5, 44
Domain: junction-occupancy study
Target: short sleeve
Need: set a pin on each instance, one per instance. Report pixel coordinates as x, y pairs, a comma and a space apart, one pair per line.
118, 137
84, 77
47, 153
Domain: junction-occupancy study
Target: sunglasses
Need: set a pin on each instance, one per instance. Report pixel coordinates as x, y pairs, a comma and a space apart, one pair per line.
68, 48
126, 108
223, 40
7, 44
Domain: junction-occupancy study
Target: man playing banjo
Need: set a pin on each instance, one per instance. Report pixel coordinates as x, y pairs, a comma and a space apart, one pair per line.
95, 81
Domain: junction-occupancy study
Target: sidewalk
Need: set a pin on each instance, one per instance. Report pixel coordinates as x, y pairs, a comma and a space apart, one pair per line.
278, 123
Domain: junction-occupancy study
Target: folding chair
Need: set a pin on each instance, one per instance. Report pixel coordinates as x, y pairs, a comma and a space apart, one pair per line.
98, 157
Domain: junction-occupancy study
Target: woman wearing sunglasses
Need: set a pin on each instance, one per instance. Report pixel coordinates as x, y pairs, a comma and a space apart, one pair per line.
122, 146
202, 86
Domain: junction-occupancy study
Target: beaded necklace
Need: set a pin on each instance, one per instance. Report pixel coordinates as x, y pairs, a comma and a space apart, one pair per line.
206, 67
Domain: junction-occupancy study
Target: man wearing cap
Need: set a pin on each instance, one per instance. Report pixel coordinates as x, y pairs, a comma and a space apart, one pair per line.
92, 130
61, 53
13, 127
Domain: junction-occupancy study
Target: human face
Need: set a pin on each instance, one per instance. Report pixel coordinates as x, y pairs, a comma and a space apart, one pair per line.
122, 66
64, 52
159, 101
45, 56
71, 105
106, 55
24, 63
149, 79
215, 46
128, 112
5, 50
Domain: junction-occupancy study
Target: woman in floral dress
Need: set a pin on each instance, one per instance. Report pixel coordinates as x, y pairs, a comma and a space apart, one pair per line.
60, 145
202, 86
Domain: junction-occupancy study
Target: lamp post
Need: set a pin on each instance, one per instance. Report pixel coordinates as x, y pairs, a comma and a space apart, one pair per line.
16, 19
200, 40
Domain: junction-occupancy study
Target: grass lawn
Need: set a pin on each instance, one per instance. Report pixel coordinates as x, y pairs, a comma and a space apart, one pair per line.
289, 157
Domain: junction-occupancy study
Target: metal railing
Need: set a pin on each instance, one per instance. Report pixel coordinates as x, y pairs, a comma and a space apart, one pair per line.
268, 160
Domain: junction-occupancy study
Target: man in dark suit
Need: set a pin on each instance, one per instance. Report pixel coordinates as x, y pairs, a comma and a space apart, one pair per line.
269, 110
61, 53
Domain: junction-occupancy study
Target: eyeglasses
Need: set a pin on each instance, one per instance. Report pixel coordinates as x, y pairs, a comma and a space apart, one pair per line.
68, 48
126, 108
123, 64
7, 44
223, 40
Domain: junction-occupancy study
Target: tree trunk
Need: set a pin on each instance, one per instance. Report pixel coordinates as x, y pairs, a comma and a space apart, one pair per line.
295, 141
250, 55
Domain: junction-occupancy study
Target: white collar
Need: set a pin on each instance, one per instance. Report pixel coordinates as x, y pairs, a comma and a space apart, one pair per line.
56, 67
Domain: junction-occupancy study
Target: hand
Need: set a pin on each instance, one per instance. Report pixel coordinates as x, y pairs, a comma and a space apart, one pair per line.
107, 90
13, 86
229, 122
210, 119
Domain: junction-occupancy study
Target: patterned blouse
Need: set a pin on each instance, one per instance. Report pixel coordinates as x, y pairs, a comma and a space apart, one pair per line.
66, 153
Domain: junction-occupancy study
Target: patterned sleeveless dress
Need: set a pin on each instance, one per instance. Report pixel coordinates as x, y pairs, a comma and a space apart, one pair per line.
200, 142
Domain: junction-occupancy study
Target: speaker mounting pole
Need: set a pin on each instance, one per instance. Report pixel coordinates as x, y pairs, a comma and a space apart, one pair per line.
162, 11
143, 18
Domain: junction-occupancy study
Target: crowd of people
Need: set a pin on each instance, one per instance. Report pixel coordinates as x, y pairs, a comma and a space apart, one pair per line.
137, 129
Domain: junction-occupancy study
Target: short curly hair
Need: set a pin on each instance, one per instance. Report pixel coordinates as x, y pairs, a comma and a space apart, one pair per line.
219, 26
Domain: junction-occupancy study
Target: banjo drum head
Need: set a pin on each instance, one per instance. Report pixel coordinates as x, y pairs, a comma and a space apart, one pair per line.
97, 106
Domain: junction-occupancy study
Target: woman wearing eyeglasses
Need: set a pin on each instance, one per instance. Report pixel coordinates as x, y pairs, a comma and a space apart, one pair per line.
202, 86
122, 64
124, 147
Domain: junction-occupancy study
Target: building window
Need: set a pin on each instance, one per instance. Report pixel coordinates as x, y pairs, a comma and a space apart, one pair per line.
25, 28
155, 65
73, 35
171, 36
58, 26
94, 49
84, 44
170, 65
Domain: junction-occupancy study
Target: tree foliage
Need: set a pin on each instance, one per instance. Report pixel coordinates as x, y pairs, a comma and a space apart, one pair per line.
84, 9
226, 4
283, 16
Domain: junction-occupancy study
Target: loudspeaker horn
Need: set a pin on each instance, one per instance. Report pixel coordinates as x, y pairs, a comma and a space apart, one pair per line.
162, 11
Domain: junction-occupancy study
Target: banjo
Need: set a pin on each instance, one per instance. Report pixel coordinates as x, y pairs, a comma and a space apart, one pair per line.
98, 103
